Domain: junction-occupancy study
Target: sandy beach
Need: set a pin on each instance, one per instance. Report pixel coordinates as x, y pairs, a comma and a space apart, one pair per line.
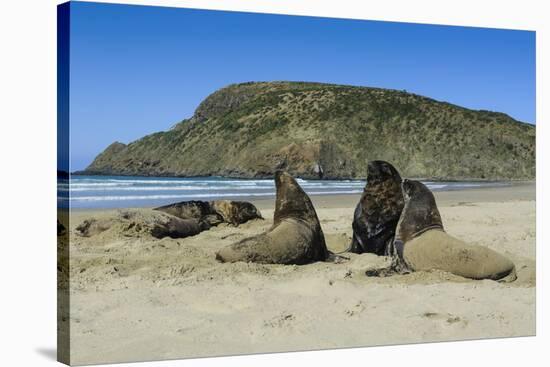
139, 298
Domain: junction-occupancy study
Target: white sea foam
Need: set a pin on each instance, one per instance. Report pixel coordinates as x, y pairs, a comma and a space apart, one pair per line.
170, 181
167, 181
122, 191
158, 197
106, 184
435, 187
197, 188
164, 188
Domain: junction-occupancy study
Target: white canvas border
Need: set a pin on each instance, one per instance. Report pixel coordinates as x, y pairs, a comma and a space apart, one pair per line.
28, 116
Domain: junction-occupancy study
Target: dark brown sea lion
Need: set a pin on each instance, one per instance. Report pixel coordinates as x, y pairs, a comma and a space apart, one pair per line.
214, 212
201, 211
421, 242
377, 213
296, 236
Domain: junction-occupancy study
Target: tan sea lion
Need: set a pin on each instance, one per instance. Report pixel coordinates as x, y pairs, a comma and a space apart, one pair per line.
421, 242
295, 237
377, 213
134, 222
235, 212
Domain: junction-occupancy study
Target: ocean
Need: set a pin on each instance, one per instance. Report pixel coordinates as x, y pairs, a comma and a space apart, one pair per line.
94, 192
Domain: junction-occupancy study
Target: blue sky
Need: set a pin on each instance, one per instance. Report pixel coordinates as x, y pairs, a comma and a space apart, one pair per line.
137, 70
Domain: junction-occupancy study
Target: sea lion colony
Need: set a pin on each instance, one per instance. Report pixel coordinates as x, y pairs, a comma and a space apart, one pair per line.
394, 217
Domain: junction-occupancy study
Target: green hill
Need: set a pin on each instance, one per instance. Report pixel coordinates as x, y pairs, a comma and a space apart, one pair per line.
318, 130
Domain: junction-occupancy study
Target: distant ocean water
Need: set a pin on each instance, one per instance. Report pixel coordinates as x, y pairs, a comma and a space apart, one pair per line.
127, 191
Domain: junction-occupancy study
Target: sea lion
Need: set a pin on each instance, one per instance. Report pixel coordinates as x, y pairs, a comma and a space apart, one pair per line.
421, 242
235, 212
377, 213
201, 211
296, 236
133, 222
214, 212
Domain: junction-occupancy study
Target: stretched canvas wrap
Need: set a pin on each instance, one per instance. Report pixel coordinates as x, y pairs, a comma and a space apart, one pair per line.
236, 183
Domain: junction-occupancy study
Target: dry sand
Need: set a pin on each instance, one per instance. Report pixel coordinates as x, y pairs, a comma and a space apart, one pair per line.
139, 298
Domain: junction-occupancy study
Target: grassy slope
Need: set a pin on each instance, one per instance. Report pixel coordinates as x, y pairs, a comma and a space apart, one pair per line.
250, 129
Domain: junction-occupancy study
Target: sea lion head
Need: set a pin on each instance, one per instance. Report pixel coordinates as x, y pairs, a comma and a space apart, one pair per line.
382, 198
291, 200
414, 189
247, 210
236, 212
381, 171
420, 212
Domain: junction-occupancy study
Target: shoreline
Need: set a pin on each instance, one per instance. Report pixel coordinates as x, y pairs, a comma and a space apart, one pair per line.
524, 191
521, 190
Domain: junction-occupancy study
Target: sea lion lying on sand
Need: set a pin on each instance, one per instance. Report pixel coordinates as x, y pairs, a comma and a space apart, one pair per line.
136, 222
199, 210
377, 213
214, 212
421, 243
235, 212
295, 237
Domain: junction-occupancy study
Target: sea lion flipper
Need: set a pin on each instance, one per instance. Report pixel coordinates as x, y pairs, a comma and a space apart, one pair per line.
387, 271
509, 278
336, 257
356, 245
